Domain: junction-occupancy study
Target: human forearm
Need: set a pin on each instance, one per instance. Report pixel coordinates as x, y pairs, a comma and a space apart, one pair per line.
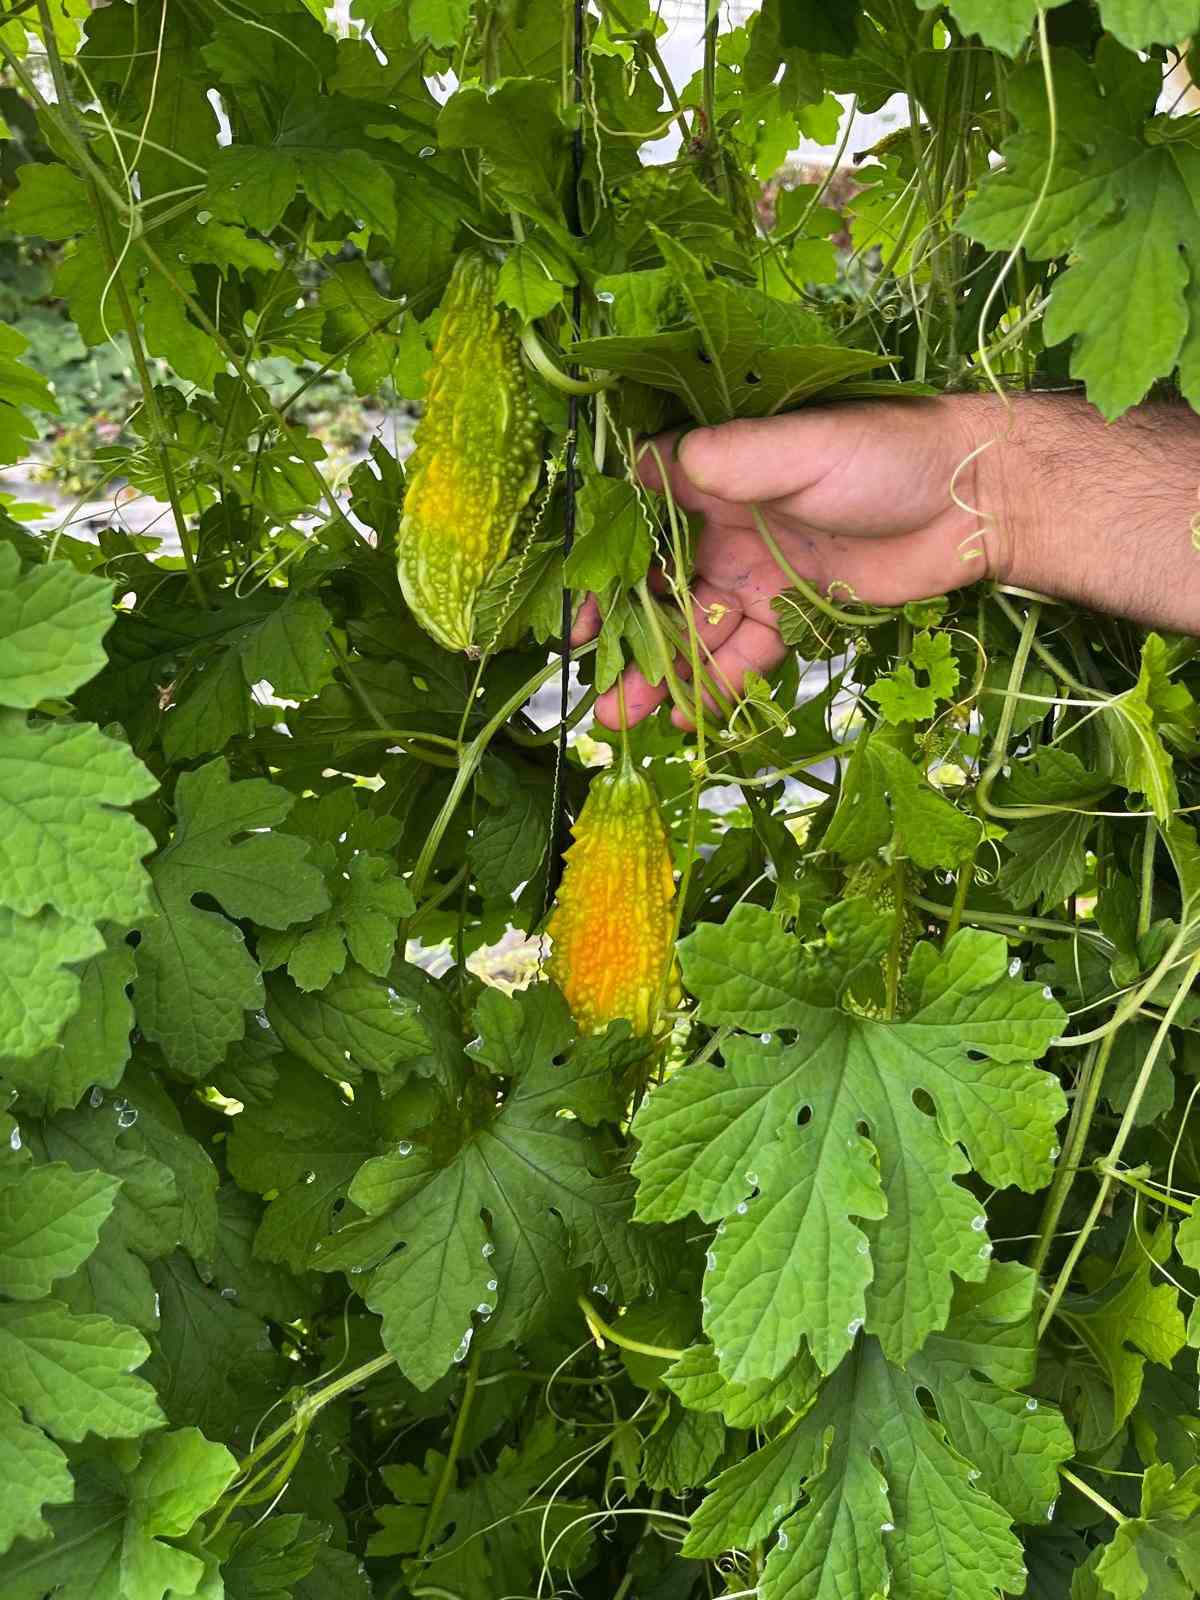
1093, 512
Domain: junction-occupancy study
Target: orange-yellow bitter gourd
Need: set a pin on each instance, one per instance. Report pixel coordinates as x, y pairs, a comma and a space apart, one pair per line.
613, 923
476, 458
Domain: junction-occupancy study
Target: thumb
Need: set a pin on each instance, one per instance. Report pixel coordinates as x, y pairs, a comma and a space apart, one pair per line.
765, 458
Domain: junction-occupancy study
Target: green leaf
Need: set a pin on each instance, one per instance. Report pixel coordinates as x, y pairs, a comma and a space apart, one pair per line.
532, 280
52, 626
368, 901
305, 1150
887, 1506
93, 1046
898, 694
319, 149
355, 1022
35, 1475
64, 844
973, 1369
697, 1379
37, 988
195, 978
818, 1153
360, 321
1156, 1553
49, 202
1129, 1318
516, 125
109, 1545
552, 1195
1123, 207
73, 1375
50, 1221
614, 542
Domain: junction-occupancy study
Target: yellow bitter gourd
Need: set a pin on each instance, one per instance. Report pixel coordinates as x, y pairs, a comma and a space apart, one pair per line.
613, 923
476, 459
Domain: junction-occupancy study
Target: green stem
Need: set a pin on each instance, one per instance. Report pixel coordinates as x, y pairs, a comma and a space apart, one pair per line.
602, 1332
450, 1466
966, 876
1146, 900
472, 756
300, 1421
87, 171
544, 736
1096, 1498
849, 619
1120, 1139
544, 365
1087, 1095
999, 751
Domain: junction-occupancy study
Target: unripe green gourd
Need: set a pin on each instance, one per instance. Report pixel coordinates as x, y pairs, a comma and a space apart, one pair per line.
476, 460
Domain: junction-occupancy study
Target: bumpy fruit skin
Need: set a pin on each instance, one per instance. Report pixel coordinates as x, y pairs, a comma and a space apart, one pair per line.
476, 459
613, 923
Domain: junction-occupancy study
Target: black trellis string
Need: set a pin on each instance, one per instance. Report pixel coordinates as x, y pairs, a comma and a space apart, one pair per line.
560, 827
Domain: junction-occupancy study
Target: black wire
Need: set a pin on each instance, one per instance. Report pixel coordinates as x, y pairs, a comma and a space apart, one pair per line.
561, 828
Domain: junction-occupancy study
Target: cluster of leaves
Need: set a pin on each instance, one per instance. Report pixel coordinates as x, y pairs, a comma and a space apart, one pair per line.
873, 1271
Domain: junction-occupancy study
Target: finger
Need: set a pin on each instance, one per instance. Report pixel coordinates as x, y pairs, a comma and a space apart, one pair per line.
717, 616
587, 622
863, 469
641, 698
752, 647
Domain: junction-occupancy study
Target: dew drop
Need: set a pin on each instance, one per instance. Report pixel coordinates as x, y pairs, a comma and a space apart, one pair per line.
354, 1271
752, 1178
157, 1305
488, 1250
492, 1285
1055, 1153
705, 1302
1047, 993
127, 1117
96, 1098
742, 1208
853, 1326
720, 1229
710, 1257
887, 1527
229, 1294
979, 1223
776, 1513
14, 1139
309, 1177
461, 1353
782, 1540
1031, 1405
1014, 967
765, 1038
262, 1019
424, 152
601, 1289
985, 1252
974, 1475
404, 1148
863, 1247
1050, 1511
605, 297
484, 1308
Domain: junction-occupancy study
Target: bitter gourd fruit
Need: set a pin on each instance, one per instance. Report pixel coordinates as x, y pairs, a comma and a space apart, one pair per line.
476, 458
613, 922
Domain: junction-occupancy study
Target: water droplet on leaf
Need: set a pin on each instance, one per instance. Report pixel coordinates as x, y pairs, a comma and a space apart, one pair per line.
96, 1098
404, 1148
979, 1223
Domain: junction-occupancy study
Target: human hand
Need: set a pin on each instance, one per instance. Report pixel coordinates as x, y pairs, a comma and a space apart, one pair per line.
858, 497
891, 501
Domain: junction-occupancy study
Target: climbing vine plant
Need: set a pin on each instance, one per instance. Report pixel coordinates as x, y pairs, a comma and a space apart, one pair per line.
818, 1221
